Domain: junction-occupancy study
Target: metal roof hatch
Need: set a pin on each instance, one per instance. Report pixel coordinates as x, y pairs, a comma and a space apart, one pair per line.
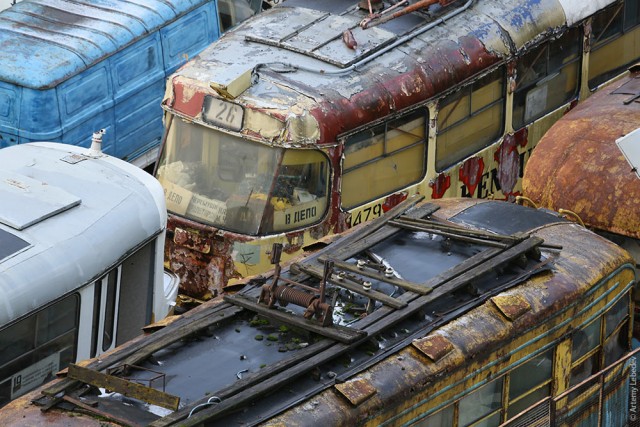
27, 201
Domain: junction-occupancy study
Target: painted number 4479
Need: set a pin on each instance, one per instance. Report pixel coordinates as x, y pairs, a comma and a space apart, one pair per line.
366, 214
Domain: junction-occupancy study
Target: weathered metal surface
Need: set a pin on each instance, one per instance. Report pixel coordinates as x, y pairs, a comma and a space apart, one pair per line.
578, 166
74, 35
478, 333
435, 346
324, 99
421, 67
394, 384
356, 390
512, 306
576, 10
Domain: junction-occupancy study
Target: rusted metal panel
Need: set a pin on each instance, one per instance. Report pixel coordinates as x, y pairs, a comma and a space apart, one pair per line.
578, 166
356, 391
512, 306
435, 347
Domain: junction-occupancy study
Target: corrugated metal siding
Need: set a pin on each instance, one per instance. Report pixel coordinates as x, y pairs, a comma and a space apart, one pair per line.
47, 41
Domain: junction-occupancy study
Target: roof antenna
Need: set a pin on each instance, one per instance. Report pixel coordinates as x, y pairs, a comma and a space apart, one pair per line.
96, 144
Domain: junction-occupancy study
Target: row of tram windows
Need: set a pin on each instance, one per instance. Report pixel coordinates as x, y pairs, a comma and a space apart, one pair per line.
98, 317
473, 117
593, 347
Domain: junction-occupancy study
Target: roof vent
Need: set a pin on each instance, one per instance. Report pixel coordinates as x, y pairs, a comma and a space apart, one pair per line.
96, 144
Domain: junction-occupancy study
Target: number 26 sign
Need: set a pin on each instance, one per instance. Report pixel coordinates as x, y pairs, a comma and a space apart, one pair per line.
222, 113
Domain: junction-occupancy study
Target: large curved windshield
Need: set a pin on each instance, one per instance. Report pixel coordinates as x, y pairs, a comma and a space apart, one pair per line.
239, 185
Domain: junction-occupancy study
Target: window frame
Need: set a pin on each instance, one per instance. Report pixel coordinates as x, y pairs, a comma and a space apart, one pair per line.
471, 88
414, 114
596, 44
525, 88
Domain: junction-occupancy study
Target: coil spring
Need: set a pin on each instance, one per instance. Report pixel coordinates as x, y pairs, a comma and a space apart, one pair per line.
287, 294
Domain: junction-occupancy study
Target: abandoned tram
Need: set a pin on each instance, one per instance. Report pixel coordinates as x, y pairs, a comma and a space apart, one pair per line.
316, 116
453, 312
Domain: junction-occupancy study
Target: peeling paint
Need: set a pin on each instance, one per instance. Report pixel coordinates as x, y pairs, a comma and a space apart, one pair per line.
471, 173
440, 185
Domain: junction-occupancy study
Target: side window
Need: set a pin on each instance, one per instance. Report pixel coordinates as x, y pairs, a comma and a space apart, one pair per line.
37, 347
105, 312
482, 407
86, 94
530, 383
384, 159
136, 67
615, 41
9, 104
585, 352
616, 331
470, 119
441, 418
546, 78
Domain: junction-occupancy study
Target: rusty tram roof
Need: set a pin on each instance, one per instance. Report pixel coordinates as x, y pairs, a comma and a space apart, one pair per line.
335, 88
578, 166
480, 272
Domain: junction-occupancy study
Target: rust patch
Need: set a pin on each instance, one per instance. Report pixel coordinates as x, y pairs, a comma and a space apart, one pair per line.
426, 72
471, 173
435, 347
203, 273
508, 160
512, 306
578, 166
191, 240
440, 185
356, 391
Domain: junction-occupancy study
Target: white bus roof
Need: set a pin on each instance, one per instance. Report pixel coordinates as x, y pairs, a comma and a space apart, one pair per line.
65, 218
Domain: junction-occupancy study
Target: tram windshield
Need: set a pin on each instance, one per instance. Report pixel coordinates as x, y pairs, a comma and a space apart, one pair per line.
239, 185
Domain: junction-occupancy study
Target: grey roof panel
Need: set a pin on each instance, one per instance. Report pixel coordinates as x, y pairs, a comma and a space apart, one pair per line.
26, 201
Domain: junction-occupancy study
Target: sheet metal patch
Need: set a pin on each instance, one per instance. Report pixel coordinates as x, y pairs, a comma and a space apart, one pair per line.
357, 390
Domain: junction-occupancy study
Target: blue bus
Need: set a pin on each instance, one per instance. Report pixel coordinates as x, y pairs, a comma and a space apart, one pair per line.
72, 66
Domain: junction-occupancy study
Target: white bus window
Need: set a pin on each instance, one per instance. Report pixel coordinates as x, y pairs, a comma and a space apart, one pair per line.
470, 119
546, 78
37, 347
384, 159
110, 310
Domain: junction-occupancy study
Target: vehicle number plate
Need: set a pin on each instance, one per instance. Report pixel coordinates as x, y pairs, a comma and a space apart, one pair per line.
222, 113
